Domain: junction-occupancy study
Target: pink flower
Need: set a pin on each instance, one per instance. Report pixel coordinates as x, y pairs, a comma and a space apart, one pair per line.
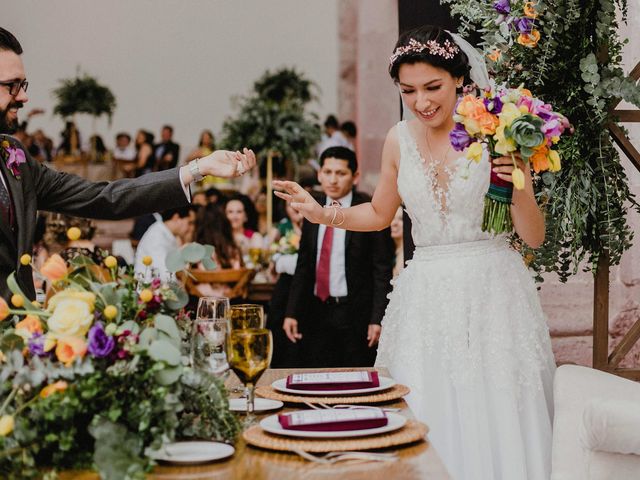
15, 159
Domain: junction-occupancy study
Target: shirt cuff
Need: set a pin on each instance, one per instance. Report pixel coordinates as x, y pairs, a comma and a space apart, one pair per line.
185, 188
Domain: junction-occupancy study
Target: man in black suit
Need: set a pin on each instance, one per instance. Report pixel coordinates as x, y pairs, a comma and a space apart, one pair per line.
167, 152
27, 186
342, 278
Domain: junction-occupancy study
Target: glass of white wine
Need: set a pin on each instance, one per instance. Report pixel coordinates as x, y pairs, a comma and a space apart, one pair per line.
246, 316
249, 353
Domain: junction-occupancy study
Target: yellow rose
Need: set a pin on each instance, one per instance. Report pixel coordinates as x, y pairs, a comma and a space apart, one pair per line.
59, 386
72, 314
517, 176
508, 114
471, 125
474, 152
503, 145
70, 348
6, 425
554, 161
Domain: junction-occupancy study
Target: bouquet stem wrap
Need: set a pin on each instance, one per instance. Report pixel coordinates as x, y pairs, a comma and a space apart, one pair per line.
497, 206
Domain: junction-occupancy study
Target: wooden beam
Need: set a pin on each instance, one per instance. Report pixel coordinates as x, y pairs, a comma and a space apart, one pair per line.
601, 314
627, 116
626, 344
625, 145
635, 73
630, 373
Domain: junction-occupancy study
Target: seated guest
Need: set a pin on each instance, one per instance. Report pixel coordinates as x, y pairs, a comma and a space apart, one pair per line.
340, 286
124, 154
241, 215
206, 145
144, 152
213, 228
162, 238
56, 240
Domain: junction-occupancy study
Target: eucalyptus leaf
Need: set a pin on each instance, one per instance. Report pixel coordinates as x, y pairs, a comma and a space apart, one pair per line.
166, 324
164, 351
174, 261
168, 376
193, 252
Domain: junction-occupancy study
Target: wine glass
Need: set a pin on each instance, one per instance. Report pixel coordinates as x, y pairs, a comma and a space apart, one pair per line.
207, 346
212, 308
254, 256
246, 316
249, 353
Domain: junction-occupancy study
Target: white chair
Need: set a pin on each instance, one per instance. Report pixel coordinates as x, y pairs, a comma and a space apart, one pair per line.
596, 427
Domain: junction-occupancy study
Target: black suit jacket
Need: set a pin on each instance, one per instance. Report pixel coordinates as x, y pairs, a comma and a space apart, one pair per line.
368, 265
41, 188
162, 149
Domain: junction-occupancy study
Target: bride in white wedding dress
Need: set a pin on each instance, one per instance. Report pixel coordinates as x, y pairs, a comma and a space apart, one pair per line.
464, 328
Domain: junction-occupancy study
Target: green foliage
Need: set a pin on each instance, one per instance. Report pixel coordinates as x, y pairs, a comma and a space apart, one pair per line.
273, 118
83, 94
576, 67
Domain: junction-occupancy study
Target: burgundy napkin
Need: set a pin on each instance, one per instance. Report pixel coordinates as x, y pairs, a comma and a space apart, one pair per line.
332, 420
333, 380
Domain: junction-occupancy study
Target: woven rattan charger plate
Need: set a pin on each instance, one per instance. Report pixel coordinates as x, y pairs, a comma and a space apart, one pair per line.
412, 432
394, 393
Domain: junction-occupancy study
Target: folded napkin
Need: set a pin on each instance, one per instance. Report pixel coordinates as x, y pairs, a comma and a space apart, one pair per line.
333, 380
333, 420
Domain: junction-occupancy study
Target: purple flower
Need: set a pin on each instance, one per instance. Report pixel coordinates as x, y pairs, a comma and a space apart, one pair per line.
552, 128
100, 344
36, 345
503, 7
459, 137
493, 105
15, 159
524, 25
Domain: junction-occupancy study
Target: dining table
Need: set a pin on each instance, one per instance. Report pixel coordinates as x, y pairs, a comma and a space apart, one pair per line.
416, 461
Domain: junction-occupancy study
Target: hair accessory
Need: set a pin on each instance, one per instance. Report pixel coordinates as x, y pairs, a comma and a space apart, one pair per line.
336, 208
446, 50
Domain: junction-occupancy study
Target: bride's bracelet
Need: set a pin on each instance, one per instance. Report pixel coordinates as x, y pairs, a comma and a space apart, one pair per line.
336, 208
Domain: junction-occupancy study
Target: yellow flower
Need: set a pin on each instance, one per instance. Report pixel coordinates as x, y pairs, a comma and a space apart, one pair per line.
517, 176
59, 386
72, 313
17, 300
146, 295
49, 343
74, 233
6, 425
25, 259
529, 39
554, 161
471, 125
147, 260
503, 145
5, 144
508, 114
474, 152
54, 268
555, 139
110, 312
4, 309
110, 262
70, 348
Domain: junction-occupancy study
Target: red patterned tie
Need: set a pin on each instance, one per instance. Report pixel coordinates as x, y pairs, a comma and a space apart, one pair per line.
324, 265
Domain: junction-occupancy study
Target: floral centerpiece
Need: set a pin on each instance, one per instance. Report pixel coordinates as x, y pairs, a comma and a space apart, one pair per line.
97, 377
510, 122
288, 244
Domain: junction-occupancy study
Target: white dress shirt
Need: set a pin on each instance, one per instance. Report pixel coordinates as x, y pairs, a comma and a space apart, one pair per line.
337, 270
156, 243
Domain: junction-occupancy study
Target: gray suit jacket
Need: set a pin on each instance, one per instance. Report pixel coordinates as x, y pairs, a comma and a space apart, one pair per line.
41, 188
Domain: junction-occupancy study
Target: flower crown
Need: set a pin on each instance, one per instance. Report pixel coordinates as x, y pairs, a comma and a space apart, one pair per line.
446, 50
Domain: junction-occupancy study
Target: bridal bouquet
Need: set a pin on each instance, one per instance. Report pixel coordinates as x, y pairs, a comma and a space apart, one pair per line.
507, 122
96, 377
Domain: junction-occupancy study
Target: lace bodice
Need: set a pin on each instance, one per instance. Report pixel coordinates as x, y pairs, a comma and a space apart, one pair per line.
442, 215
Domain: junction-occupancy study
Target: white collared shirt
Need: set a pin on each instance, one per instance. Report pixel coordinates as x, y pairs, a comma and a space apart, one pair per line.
337, 269
157, 243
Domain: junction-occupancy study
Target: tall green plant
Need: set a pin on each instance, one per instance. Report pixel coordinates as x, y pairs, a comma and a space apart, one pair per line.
83, 94
274, 117
575, 65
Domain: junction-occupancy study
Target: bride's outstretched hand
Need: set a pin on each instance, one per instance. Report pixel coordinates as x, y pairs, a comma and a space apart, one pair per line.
300, 200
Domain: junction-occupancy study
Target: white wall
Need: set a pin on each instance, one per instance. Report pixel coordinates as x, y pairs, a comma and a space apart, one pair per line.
171, 61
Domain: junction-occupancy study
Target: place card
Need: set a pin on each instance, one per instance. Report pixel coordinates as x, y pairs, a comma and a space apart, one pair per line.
331, 420
333, 380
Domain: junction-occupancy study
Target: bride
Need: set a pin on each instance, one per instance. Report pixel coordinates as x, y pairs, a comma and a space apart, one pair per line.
464, 328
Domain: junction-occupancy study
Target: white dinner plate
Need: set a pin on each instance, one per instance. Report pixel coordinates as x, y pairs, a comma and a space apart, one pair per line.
272, 425
193, 452
259, 404
385, 383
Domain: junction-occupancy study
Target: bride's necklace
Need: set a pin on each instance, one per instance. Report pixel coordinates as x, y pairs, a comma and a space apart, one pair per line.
440, 166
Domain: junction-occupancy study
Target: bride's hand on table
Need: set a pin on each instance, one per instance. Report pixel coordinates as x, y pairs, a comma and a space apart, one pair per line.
300, 200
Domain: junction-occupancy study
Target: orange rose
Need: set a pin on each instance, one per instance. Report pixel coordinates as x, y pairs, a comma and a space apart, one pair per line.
31, 323
530, 10
539, 159
529, 39
4, 309
471, 106
59, 386
54, 268
488, 123
495, 55
70, 348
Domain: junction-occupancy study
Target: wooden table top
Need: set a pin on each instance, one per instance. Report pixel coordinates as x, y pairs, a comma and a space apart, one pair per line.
417, 461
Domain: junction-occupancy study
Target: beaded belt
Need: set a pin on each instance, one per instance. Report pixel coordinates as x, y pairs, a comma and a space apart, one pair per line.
464, 249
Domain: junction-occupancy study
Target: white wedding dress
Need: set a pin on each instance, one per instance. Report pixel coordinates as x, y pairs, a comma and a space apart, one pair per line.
465, 331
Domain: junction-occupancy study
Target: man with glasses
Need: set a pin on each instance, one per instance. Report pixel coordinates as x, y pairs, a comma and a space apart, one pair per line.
27, 186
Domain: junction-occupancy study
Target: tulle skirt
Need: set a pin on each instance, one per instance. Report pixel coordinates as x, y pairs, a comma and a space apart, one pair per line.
465, 331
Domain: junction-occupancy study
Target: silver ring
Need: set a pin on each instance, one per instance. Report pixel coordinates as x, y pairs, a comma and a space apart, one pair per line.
240, 168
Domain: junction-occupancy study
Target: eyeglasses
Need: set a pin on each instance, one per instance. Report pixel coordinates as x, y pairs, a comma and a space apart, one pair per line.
15, 86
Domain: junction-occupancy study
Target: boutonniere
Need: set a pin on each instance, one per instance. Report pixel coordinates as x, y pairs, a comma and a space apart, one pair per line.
13, 158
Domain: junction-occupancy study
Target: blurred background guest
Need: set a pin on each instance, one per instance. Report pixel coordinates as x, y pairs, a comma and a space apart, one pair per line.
124, 155
243, 218
144, 152
167, 152
213, 228
396, 235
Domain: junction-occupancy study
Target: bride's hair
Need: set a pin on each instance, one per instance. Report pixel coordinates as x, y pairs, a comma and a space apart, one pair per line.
432, 45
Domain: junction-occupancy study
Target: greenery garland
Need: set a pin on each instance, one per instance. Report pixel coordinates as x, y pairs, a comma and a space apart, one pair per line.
569, 55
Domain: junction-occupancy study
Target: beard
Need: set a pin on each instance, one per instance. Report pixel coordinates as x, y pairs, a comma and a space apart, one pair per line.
9, 126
